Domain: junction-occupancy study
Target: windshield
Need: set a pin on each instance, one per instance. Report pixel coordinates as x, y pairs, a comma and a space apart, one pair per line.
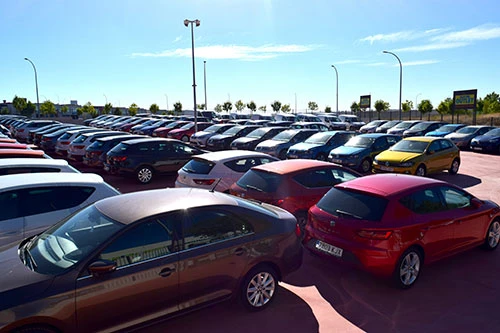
493, 132
172, 125
467, 130
360, 141
447, 128
212, 129
390, 124
260, 181
150, 122
233, 130
258, 133
321, 138
375, 123
410, 146
284, 136
421, 126
68, 242
187, 126
404, 125
80, 139
96, 145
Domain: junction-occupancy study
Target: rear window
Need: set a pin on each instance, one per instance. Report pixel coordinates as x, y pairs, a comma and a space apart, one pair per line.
260, 181
198, 166
121, 147
345, 203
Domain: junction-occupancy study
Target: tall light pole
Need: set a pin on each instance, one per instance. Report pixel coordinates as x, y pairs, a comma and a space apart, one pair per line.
400, 80
186, 23
166, 97
205, 81
416, 101
337, 76
36, 85
106, 97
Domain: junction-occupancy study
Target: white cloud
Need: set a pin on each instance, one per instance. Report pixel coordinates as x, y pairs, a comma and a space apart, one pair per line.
431, 47
483, 32
239, 52
346, 62
178, 38
373, 64
392, 37
419, 63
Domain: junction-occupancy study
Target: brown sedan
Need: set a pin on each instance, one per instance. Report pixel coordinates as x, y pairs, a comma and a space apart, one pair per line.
144, 255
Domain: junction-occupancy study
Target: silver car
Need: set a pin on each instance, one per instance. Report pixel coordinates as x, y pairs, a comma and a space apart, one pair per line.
64, 140
76, 149
200, 138
33, 202
11, 166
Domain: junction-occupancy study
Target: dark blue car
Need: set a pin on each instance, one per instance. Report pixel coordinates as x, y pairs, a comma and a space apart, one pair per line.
148, 130
358, 152
319, 145
445, 130
488, 142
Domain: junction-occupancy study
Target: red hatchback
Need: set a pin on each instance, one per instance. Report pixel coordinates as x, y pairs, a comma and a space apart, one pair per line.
294, 185
163, 131
391, 224
184, 133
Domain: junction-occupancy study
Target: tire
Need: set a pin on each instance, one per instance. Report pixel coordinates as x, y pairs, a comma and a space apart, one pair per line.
144, 174
282, 155
259, 287
365, 166
455, 165
321, 157
36, 329
492, 236
408, 268
185, 138
421, 171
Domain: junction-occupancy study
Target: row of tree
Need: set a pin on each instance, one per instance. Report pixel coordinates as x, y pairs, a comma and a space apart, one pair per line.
487, 105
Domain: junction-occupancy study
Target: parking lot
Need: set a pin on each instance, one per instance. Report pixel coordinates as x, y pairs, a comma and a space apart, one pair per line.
457, 294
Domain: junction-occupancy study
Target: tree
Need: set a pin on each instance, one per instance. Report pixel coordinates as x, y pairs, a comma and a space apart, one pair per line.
276, 106
263, 108
48, 108
88, 109
252, 106
286, 108
64, 109
407, 106
178, 107
425, 106
154, 108
200, 106
4, 110
19, 104
355, 107
227, 106
29, 109
328, 109
380, 106
492, 97
313, 106
107, 108
132, 109
239, 105
117, 111
218, 108
491, 106
445, 106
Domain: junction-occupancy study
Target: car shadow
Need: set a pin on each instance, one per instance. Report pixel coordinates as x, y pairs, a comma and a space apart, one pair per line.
462, 180
456, 294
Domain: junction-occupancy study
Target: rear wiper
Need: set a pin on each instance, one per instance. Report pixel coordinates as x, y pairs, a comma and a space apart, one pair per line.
341, 212
254, 188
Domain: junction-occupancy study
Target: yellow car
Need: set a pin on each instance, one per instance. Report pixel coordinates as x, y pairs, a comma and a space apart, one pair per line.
419, 156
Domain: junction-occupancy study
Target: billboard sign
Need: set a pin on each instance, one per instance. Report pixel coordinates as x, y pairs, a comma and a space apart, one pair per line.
465, 99
365, 101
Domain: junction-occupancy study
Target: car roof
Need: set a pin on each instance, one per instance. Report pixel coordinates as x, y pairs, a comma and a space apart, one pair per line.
12, 162
121, 136
225, 155
130, 207
148, 139
423, 138
375, 135
387, 184
291, 166
48, 178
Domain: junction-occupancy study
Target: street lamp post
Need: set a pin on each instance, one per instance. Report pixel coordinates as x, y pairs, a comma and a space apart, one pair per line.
36, 85
166, 97
186, 23
205, 81
337, 98
416, 102
400, 80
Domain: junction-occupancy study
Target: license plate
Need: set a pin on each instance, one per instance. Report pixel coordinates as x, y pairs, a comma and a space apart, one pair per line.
325, 247
293, 156
386, 168
334, 160
477, 148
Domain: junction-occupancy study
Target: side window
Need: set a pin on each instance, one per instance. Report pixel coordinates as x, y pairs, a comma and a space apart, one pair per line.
47, 199
391, 140
182, 149
342, 176
434, 147
210, 226
142, 148
149, 240
241, 165
454, 198
445, 144
9, 202
17, 170
379, 144
263, 160
316, 178
423, 202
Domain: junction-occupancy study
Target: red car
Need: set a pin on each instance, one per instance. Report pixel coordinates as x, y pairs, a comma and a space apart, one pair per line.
10, 145
31, 153
184, 133
294, 185
392, 224
163, 131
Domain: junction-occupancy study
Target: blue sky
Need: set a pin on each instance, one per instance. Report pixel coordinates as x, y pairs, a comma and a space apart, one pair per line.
139, 52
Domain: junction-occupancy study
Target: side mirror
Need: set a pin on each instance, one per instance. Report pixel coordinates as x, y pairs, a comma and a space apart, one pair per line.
475, 202
102, 266
430, 152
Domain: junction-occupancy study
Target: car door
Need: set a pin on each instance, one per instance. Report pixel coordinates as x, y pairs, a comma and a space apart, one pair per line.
11, 218
214, 255
470, 223
144, 284
434, 157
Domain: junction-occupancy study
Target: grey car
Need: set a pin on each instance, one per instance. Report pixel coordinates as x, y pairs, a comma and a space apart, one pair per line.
464, 136
278, 145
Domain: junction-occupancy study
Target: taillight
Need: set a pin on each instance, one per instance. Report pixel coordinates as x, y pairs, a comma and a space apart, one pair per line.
298, 232
20, 130
65, 142
119, 158
46, 139
78, 147
204, 181
278, 202
374, 234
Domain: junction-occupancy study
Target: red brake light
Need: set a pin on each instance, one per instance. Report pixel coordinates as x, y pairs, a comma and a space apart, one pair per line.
21, 130
78, 147
298, 232
46, 139
373, 234
278, 202
204, 181
119, 158
65, 142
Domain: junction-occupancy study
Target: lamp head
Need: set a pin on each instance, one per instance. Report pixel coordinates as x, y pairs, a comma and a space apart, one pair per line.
186, 22
385, 52
197, 23
25, 58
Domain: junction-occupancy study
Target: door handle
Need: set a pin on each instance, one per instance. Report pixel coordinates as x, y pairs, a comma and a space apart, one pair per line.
167, 271
240, 251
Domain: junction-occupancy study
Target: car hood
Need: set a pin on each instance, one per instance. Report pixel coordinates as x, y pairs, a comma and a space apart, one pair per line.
271, 143
178, 130
305, 146
221, 137
458, 135
342, 150
200, 134
396, 156
486, 138
437, 133
244, 140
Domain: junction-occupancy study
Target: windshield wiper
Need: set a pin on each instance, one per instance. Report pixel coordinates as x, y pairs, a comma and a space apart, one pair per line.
254, 188
28, 258
341, 212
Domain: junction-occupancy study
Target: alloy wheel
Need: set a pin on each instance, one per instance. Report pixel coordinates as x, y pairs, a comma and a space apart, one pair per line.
494, 234
260, 289
409, 268
144, 175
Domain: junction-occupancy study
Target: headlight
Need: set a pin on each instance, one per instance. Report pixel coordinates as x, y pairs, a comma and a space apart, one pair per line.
407, 164
353, 157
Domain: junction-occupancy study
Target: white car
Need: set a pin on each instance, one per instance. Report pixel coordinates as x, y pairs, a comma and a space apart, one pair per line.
76, 149
11, 166
219, 170
32, 202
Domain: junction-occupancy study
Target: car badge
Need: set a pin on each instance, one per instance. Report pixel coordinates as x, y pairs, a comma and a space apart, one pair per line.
387, 164
332, 223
